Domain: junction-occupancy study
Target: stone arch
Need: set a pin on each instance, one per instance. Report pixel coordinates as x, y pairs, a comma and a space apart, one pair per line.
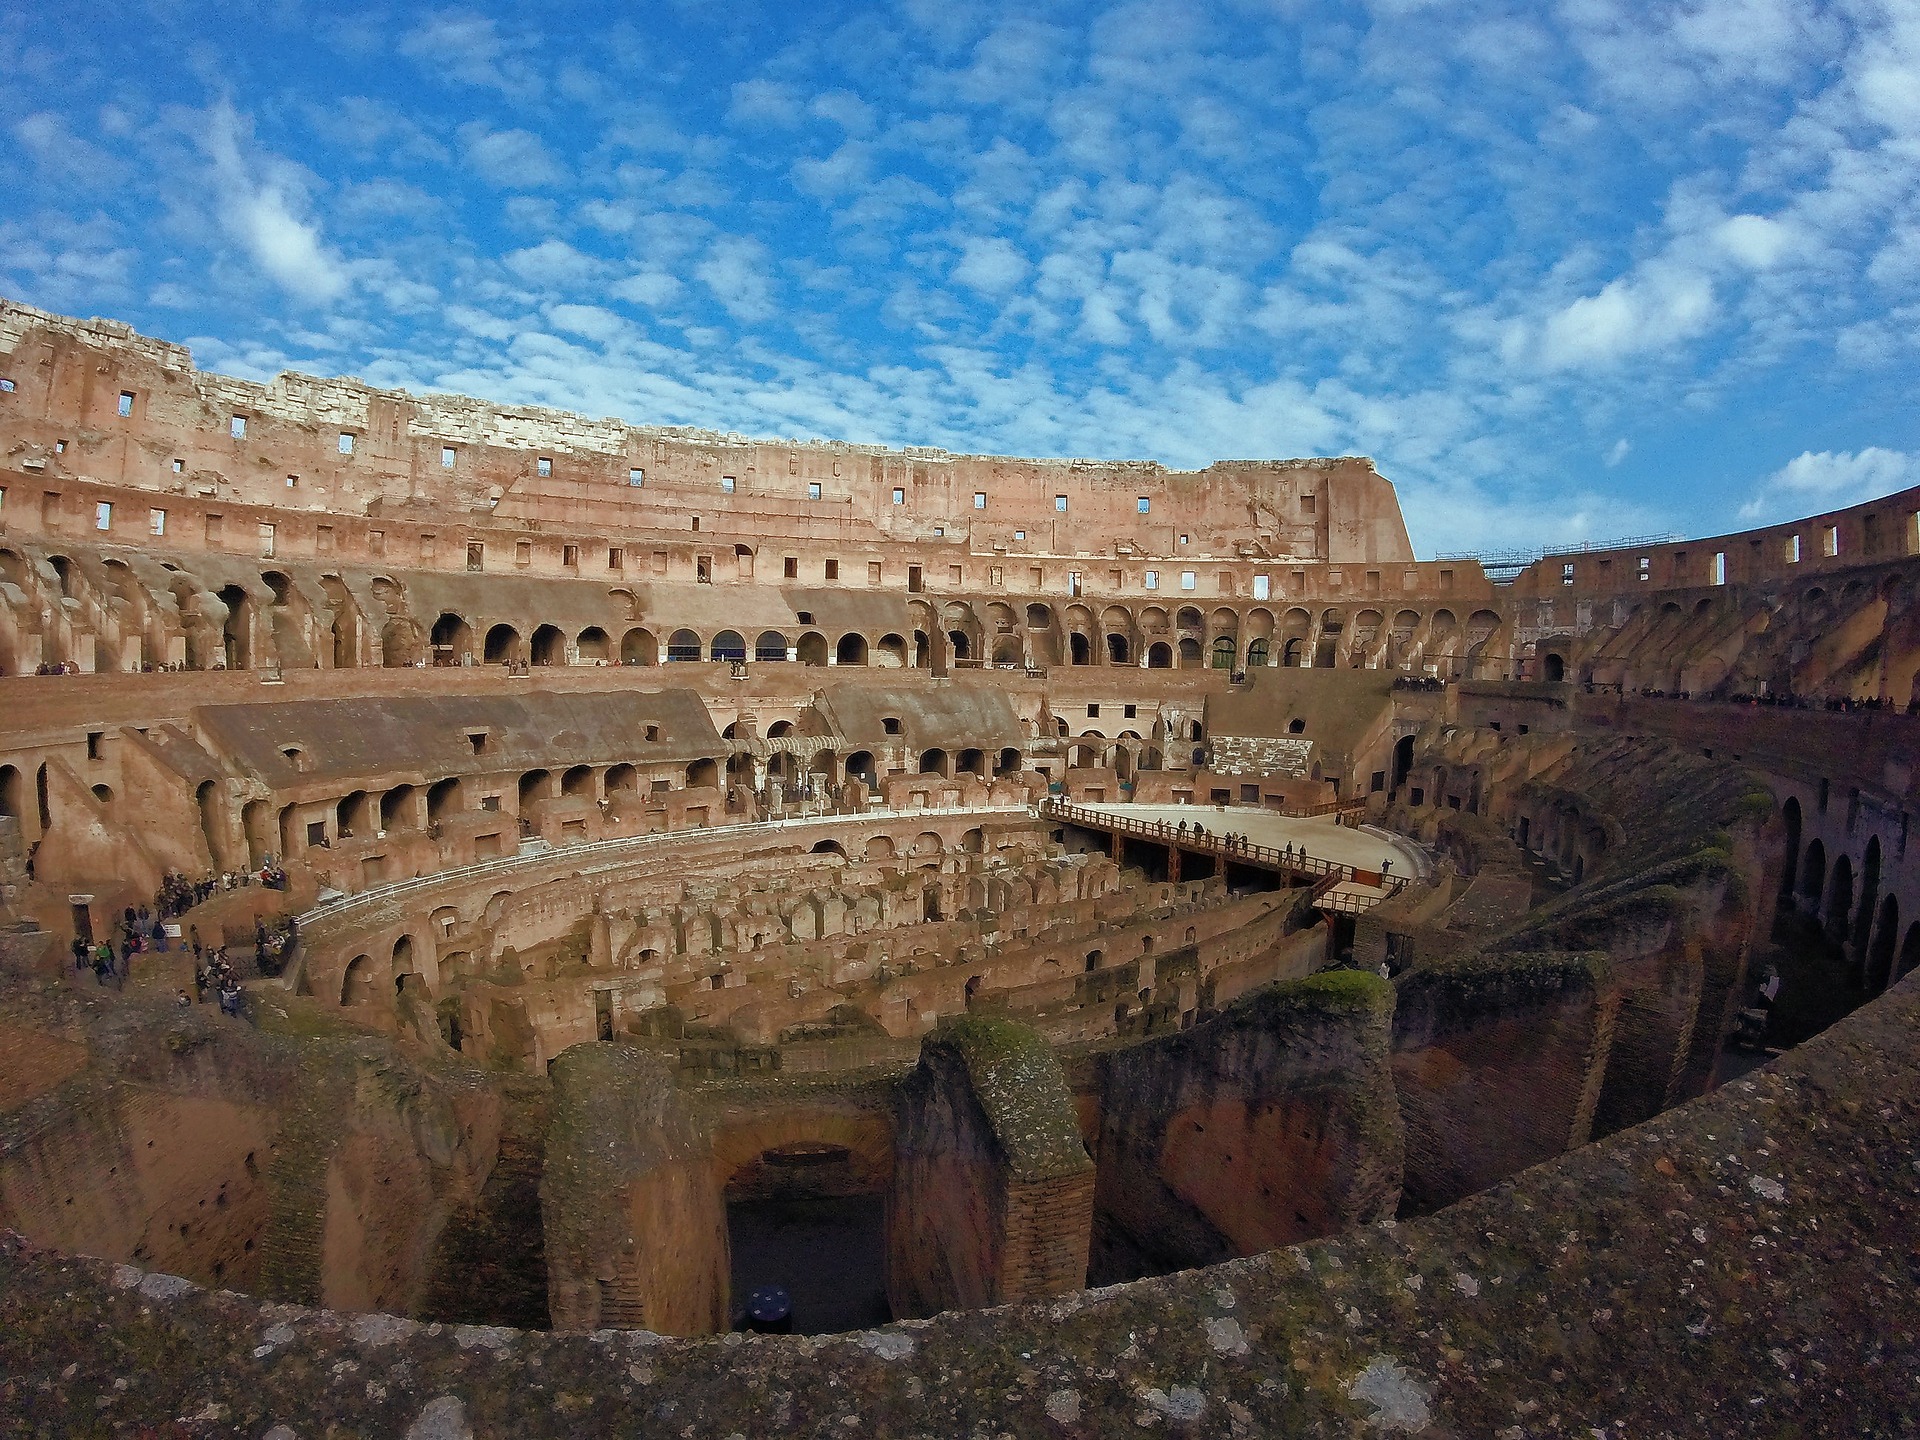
1839, 907
445, 799
1813, 874
1886, 933
1790, 865
891, 652
212, 818
502, 645
452, 640
549, 645
1909, 958
1869, 896
639, 647
356, 984
812, 648
683, 645
593, 646
770, 646
1159, 656
850, 649
728, 645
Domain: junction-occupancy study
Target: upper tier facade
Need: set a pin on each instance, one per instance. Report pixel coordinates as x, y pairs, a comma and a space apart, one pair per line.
94, 401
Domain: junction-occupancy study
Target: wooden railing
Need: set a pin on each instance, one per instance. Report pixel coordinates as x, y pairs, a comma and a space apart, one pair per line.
1288, 860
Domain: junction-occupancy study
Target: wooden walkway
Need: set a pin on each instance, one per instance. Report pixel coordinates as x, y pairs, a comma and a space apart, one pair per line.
1336, 886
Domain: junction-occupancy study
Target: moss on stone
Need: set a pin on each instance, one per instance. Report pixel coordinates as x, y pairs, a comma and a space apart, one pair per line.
1021, 1087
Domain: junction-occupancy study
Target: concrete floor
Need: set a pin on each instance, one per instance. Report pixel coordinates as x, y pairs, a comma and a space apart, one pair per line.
1320, 836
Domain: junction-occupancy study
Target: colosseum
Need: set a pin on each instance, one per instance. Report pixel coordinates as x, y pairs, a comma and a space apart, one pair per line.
631, 930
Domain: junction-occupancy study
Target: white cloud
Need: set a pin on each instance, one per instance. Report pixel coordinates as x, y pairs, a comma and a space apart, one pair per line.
991, 266
510, 159
591, 321
1649, 311
843, 108
465, 47
554, 264
1619, 451
1754, 240
259, 215
735, 270
1831, 480
651, 286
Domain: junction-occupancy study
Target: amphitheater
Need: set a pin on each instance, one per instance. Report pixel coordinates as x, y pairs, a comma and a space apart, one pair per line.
1122, 950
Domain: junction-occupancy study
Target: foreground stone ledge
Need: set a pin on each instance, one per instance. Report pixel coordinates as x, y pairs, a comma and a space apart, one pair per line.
1743, 1265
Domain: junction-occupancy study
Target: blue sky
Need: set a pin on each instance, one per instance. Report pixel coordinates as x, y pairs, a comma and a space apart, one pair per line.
1568, 271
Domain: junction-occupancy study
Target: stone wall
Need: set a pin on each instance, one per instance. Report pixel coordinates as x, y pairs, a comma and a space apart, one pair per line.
1497, 1062
1271, 1123
636, 1231
306, 1166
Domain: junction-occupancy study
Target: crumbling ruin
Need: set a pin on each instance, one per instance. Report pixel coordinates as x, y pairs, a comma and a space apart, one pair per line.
1034, 874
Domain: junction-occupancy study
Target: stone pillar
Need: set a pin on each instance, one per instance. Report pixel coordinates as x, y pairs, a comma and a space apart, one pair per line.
992, 1197
635, 1223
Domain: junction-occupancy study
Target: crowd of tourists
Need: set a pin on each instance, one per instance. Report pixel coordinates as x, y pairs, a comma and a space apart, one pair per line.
178, 894
1842, 704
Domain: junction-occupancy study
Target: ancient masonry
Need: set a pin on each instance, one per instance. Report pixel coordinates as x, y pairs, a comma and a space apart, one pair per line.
633, 843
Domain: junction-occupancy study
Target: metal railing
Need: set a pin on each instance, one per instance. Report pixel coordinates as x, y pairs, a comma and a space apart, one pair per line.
1286, 859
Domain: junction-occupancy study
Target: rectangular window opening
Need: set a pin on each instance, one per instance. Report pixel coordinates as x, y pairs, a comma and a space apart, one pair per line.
899, 496
831, 570
636, 477
813, 490
126, 403
1060, 503
1144, 505
156, 522
979, 499
790, 567
726, 484
237, 427
346, 442
570, 556
447, 457
103, 515
543, 466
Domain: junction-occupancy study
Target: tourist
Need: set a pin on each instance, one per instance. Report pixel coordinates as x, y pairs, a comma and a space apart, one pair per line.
183, 1000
